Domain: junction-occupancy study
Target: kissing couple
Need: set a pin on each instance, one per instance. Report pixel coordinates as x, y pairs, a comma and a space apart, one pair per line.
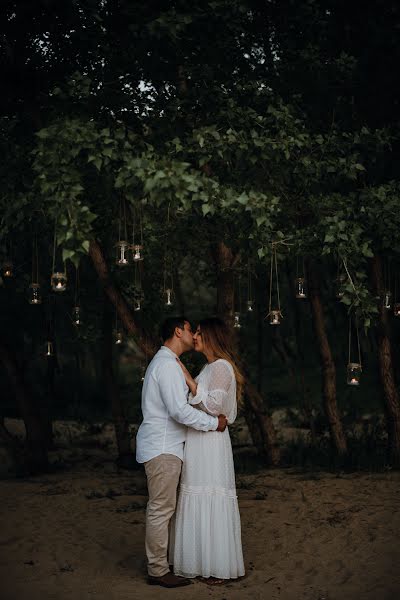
184, 437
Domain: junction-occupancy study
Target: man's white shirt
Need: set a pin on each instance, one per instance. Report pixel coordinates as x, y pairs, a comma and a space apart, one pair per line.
166, 412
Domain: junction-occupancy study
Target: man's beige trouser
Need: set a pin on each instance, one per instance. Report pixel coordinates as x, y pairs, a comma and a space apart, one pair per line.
163, 474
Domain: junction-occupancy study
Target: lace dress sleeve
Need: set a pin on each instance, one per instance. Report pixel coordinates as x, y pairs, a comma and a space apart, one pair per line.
214, 394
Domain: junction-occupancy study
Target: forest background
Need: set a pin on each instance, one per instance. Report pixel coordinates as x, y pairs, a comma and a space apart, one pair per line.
247, 144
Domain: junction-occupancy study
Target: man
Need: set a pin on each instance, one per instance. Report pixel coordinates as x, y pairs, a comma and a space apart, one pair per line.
160, 441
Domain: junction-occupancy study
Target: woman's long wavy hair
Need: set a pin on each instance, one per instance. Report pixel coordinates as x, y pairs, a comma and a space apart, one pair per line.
218, 338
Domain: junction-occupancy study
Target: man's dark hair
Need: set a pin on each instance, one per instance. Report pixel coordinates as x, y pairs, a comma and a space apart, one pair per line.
167, 329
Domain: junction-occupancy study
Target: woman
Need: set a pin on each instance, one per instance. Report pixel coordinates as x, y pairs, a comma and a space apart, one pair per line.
207, 526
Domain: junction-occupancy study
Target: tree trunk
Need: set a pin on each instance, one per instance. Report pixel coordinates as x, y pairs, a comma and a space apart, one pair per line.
391, 395
13, 446
258, 420
121, 425
327, 363
147, 346
304, 392
225, 261
36, 442
266, 439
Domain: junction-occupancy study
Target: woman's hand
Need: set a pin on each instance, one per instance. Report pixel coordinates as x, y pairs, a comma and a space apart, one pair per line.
192, 385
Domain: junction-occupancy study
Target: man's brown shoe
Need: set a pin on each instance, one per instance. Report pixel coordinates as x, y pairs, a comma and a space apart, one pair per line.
169, 580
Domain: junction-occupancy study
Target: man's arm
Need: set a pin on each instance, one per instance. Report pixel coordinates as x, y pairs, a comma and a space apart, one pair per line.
171, 382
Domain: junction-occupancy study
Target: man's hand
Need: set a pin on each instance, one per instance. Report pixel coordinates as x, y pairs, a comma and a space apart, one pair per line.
222, 423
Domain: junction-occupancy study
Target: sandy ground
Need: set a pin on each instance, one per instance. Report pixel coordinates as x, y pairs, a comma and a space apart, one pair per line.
79, 534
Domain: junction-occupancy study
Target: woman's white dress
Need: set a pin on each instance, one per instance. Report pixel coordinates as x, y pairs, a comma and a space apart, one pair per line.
207, 521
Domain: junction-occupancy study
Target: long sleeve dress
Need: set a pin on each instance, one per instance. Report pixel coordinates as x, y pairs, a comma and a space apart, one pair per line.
207, 537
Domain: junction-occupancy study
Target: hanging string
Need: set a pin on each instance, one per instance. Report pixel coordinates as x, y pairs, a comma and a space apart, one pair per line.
277, 280
37, 259
133, 226
238, 293
54, 245
270, 285
119, 219
33, 260
358, 342
249, 282
76, 285
141, 224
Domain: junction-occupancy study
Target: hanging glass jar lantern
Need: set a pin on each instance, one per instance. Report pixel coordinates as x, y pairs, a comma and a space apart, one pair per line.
122, 259
274, 314
169, 297
396, 309
49, 349
77, 316
275, 317
58, 281
354, 369
76, 311
122, 246
339, 286
168, 287
118, 333
137, 236
300, 281
237, 300
354, 373
387, 300
300, 287
138, 295
249, 301
8, 269
35, 296
137, 250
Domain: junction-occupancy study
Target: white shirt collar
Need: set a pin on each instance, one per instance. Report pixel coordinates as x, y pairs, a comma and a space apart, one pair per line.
171, 352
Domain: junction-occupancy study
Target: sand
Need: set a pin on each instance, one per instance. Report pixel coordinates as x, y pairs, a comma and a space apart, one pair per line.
79, 533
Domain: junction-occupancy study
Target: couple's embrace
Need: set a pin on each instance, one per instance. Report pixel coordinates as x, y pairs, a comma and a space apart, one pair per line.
193, 531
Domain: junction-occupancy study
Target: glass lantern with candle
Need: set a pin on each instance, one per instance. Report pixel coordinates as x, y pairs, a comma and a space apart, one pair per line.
58, 281
77, 316
169, 297
122, 248
49, 350
396, 309
8, 269
339, 286
236, 321
250, 306
137, 251
275, 317
118, 337
35, 296
387, 299
300, 287
354, 371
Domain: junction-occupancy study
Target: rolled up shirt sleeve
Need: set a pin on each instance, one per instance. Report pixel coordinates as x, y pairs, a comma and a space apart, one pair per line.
172, 389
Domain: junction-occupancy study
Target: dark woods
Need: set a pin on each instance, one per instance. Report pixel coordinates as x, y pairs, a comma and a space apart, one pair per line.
222, 139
